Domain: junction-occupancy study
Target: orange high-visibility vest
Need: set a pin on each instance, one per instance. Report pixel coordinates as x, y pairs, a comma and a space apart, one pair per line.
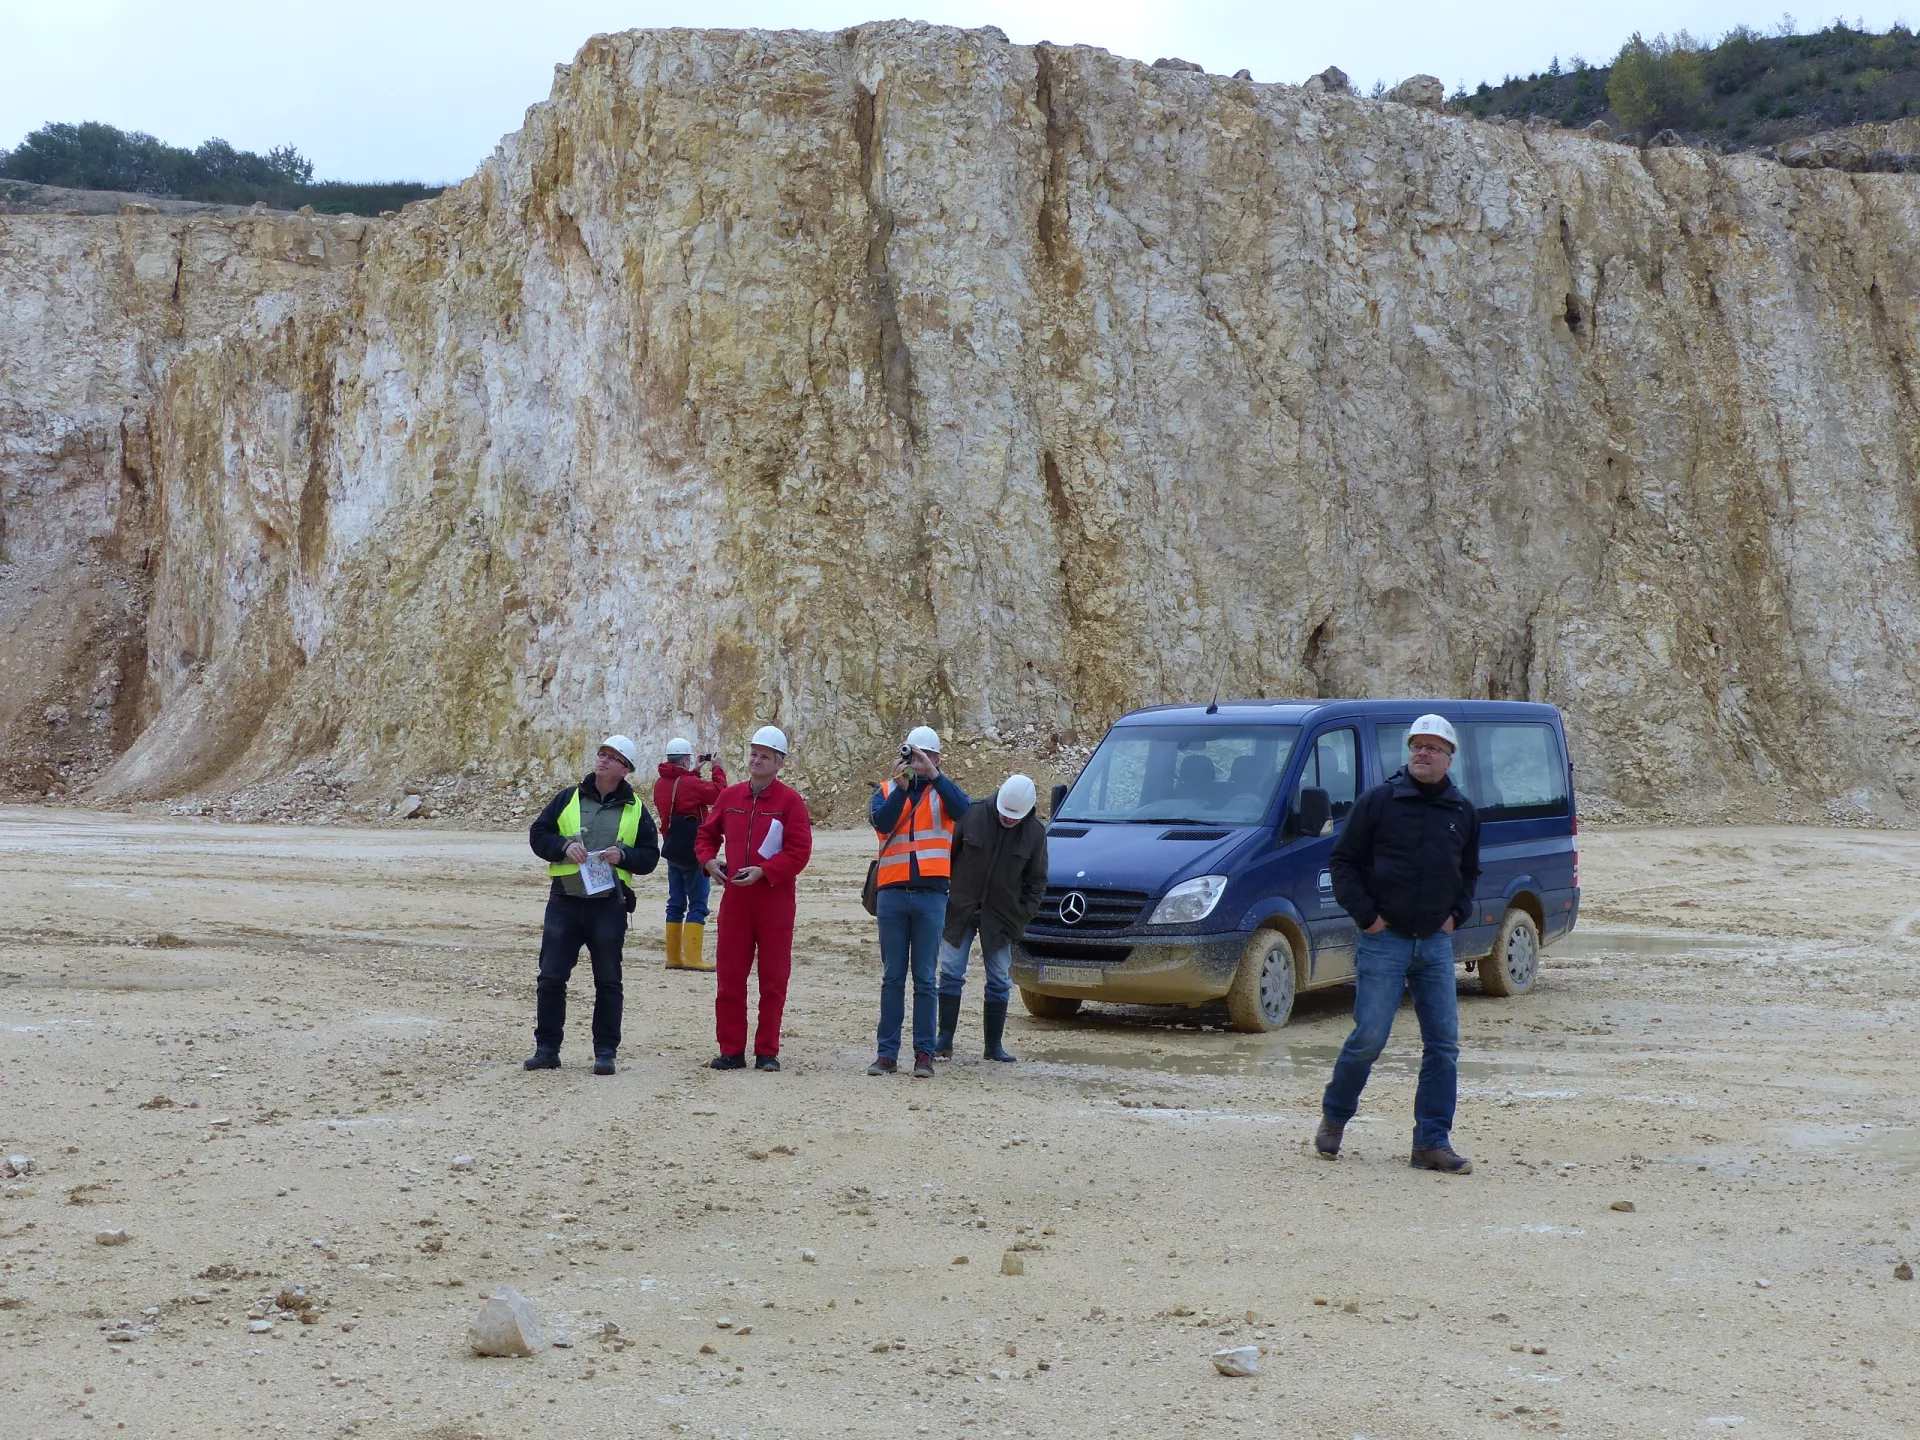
925, 835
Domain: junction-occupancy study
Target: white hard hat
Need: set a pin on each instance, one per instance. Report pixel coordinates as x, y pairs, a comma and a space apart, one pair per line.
1437, 726
922, 737
623, 747
1015, 800
772, 737
678, 745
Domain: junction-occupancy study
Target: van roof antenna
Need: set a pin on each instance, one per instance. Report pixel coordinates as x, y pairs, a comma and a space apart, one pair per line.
1213, 705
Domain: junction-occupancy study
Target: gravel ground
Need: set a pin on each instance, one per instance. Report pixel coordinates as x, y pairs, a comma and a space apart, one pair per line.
260, 1052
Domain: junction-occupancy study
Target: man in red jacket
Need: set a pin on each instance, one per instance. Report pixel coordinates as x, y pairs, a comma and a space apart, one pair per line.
767, 834
681, 799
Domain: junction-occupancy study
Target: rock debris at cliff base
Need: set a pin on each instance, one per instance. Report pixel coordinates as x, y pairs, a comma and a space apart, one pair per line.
904, 374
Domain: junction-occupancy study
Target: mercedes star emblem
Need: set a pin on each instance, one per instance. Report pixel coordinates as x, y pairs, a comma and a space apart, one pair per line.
1073, 908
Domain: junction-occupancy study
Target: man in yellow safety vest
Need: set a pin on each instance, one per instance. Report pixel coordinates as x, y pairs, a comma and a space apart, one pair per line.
595, 837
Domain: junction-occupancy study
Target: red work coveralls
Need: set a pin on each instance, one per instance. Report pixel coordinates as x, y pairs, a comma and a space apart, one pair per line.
758, 917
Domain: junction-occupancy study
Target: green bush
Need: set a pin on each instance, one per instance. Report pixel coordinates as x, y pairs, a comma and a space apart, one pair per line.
92, 156
1657, 83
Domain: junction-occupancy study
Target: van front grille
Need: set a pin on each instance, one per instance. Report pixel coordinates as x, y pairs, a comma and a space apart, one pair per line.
1102, 911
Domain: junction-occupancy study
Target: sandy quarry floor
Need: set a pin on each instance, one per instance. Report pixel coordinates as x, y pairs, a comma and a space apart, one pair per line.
348, 1011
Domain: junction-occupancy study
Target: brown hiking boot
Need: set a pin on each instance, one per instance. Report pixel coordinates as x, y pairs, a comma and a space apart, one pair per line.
1441, 1158
923, 1065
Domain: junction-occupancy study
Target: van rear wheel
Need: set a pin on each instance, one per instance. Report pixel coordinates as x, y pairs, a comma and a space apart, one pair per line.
1263, 987
1049, 1007
1514, 963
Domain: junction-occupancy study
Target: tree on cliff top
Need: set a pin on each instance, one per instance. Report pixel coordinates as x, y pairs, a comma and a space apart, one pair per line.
1657, 83
93, 156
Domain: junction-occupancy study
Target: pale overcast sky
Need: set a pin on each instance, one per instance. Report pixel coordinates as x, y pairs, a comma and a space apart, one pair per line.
422, 89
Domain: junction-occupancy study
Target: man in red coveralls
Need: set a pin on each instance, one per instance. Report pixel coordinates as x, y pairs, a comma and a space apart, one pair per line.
767, 834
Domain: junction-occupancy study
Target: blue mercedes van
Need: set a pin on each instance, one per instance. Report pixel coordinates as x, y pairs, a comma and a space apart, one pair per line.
1188, 862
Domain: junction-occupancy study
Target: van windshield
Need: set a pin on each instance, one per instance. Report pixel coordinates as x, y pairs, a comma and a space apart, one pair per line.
1207, 774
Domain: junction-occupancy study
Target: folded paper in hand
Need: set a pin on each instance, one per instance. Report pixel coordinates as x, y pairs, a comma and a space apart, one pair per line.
776, 837
596, 876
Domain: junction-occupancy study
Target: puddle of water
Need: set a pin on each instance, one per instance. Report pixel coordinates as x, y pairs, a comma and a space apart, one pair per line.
1276, 1059
1643, 942
110, 982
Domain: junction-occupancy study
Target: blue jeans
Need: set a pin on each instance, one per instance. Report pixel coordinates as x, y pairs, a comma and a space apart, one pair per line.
910, 926
687, 889
999, 966
1384, 966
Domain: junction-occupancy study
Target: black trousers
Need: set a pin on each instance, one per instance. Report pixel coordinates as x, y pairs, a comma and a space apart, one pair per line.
601, 926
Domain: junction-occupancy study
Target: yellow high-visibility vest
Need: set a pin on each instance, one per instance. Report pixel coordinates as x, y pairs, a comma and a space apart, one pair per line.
570, 825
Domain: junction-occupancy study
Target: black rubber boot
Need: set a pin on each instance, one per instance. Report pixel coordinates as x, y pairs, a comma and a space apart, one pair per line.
949, 1022
1326, 1140
993, 1020
603, 1063
543, 1060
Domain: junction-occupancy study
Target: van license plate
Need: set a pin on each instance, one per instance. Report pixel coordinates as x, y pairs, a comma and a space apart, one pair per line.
1069, 975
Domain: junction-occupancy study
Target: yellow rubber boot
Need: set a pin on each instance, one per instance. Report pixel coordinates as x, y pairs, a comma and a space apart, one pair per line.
692, 940
675, 941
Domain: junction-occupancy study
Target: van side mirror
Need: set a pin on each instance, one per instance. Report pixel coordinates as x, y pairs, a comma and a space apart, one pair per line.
1316, 813
1059, 797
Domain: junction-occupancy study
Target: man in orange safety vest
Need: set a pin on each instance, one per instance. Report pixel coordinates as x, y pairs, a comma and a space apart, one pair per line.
913, 814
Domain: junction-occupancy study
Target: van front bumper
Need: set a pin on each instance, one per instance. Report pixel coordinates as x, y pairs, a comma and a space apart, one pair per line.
1128, 970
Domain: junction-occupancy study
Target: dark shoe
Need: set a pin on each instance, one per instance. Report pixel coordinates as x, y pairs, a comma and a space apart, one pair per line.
993, 1022
1442, 1158
949, 1022
923, 1065
883, 1065
603, 1064
766, 1062
727, 1062
1327, 1139
543, 1060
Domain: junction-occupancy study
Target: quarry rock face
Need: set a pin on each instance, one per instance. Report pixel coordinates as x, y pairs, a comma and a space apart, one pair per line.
853, 381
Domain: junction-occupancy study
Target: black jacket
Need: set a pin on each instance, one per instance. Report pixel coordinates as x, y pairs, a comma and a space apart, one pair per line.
1409, 858
999, 876
551, 846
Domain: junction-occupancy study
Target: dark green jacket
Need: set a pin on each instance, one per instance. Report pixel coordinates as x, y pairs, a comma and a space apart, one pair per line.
999, 876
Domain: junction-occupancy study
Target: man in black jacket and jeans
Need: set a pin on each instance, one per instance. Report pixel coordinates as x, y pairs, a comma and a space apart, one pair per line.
999, 880
1405, 870
595, 837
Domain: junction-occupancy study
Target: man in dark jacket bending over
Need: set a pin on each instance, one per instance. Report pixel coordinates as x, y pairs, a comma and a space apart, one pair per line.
595, 837
999, 880
1405, 870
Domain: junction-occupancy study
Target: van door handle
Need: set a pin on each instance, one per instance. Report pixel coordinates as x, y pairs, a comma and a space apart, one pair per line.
1326, 880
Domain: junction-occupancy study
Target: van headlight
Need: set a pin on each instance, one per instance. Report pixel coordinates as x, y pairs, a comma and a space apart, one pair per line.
1189, 901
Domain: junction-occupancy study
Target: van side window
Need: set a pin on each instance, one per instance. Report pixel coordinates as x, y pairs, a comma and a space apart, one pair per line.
1333, 766
1517, 769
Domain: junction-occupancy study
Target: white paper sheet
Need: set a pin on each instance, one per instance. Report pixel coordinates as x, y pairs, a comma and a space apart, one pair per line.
776, 837
596, 876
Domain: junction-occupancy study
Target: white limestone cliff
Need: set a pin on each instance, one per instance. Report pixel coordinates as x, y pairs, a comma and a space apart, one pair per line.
904, 374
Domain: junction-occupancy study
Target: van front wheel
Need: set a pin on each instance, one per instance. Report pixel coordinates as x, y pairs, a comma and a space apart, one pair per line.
1050, 1007
1514, 963
1263, 987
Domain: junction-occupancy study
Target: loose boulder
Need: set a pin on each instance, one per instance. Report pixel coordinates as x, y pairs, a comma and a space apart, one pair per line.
1237, 1360
506, 1325
1330, 81
1426, 91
